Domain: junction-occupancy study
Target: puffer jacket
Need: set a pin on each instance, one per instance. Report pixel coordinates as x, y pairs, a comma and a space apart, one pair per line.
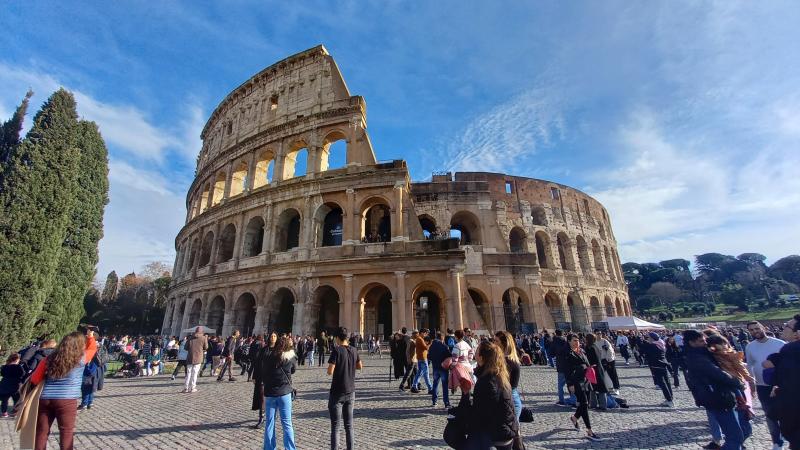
492, 409
276, 373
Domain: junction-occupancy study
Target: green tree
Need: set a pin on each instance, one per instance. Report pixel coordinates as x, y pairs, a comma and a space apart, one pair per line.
787, 269
78, 257
10, 135
36, 199
735, 294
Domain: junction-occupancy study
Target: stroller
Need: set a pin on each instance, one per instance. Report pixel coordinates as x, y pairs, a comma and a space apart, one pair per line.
131, 367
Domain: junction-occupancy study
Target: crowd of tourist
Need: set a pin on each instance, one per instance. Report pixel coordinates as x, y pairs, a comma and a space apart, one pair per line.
723, 368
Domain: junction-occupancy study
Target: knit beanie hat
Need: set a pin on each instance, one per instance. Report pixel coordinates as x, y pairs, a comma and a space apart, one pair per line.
654, 336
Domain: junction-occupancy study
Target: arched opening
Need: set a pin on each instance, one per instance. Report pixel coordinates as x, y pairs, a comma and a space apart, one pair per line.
610, 311
193, 250
287, 230
565, 251
262, 175
205, 250
194, 313
377, 314
326, 302
226, 242
219, 188
204, 198
602, 231
598, 257
377, 223
577, 312
334, 151
484, 313
253, 237
428, 310
609, 265
239, 178
542, 246
428, 225
539, 216
329, 224
513, 310
465, 226
516, 240
244, 314
618, 304
295, 164
280, 315
553, 303
216, 314
598, 314
583, 254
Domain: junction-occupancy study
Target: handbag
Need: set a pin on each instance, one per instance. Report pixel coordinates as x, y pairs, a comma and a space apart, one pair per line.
526, 415
591, 375
294, 391
447, 363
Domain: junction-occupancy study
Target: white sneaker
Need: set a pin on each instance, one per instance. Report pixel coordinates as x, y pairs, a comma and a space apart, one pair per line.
193, 391
667, 404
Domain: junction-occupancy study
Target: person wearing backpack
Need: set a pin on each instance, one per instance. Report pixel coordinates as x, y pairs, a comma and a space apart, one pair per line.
276, 375
182, 354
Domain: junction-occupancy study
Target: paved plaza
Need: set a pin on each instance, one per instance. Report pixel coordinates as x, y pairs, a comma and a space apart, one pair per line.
151, 413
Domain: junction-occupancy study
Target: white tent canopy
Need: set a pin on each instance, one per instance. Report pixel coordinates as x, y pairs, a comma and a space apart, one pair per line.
206, 330
631, 323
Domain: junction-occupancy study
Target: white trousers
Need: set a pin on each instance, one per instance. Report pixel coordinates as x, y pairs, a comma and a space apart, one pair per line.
191, 376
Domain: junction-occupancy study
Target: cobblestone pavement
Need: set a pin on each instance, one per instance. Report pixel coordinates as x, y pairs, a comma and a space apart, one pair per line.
151, 413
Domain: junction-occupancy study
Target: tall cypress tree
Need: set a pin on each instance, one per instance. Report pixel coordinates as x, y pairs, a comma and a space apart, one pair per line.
36, 200
9, 135
63, 307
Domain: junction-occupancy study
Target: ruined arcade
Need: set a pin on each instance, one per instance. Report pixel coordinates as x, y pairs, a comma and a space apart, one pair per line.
267, 246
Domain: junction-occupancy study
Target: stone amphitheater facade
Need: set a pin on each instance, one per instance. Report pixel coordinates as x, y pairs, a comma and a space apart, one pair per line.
271, 245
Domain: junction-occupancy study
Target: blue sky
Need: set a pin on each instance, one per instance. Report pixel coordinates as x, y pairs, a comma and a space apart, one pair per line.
683, 118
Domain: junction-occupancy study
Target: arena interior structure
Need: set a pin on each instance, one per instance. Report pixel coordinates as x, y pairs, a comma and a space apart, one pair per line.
277, 239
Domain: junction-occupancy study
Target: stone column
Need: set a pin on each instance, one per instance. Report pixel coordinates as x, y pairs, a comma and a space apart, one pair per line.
400, 318
258, 323
226, 192
398, 233
266, 244
347, 301
298, 321
214, 246
496, 302
227, 322
210, 191
455, 313
280, 157
166, 325
237, 242
350, 225
251, 170
186, 311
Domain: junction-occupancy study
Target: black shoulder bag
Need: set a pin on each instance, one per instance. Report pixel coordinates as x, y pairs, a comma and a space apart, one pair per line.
294, 391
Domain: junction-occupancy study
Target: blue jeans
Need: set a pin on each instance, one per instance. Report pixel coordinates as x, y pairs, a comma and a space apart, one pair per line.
517, 402
422, 370
87, 398
271, 406
731, 428
440, 374
713, 426
562, 381
310, 357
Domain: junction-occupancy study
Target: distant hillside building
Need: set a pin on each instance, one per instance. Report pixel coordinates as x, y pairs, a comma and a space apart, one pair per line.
362, 246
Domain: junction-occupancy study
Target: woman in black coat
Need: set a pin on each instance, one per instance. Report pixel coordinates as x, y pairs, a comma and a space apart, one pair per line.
599, 389
575, 365
276, 375
492, 420
398, 355
258, 376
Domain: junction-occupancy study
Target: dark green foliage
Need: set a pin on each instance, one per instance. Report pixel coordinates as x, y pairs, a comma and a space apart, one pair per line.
36, 199
136, 308
787, 269
63, 307
9, 135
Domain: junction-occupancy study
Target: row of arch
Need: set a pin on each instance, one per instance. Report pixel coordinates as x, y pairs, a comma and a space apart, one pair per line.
376, 311
268, 165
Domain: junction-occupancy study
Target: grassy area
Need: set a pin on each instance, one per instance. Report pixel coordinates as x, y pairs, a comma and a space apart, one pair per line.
772, 314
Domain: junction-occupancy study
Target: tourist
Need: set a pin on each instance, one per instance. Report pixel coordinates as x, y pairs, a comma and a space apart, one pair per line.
713, 389
492, 421
461, 371
309, 345
244, 355
411, 361
756, 352
231, 344
608, 359
622, 344
559, 349
507, 344
13, 374
654, 350
787, 389
322, 348
182, 355
398, 354
595, 354
730, 361
342, 366
421, 349
675, 360
62, 374
437, 353
574, 365
92, 382
211, 356
276, 376
255, 348
153, 362
258, 375
196, 345
547, 342
45, 349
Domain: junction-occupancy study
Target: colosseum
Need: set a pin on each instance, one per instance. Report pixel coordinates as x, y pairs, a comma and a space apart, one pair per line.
278, 239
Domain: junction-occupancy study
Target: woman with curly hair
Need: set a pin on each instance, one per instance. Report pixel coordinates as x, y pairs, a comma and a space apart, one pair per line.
62, 375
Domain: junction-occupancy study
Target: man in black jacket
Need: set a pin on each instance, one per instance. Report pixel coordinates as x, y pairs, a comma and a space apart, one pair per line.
559, 349
712, 388
230, 349
787, 389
